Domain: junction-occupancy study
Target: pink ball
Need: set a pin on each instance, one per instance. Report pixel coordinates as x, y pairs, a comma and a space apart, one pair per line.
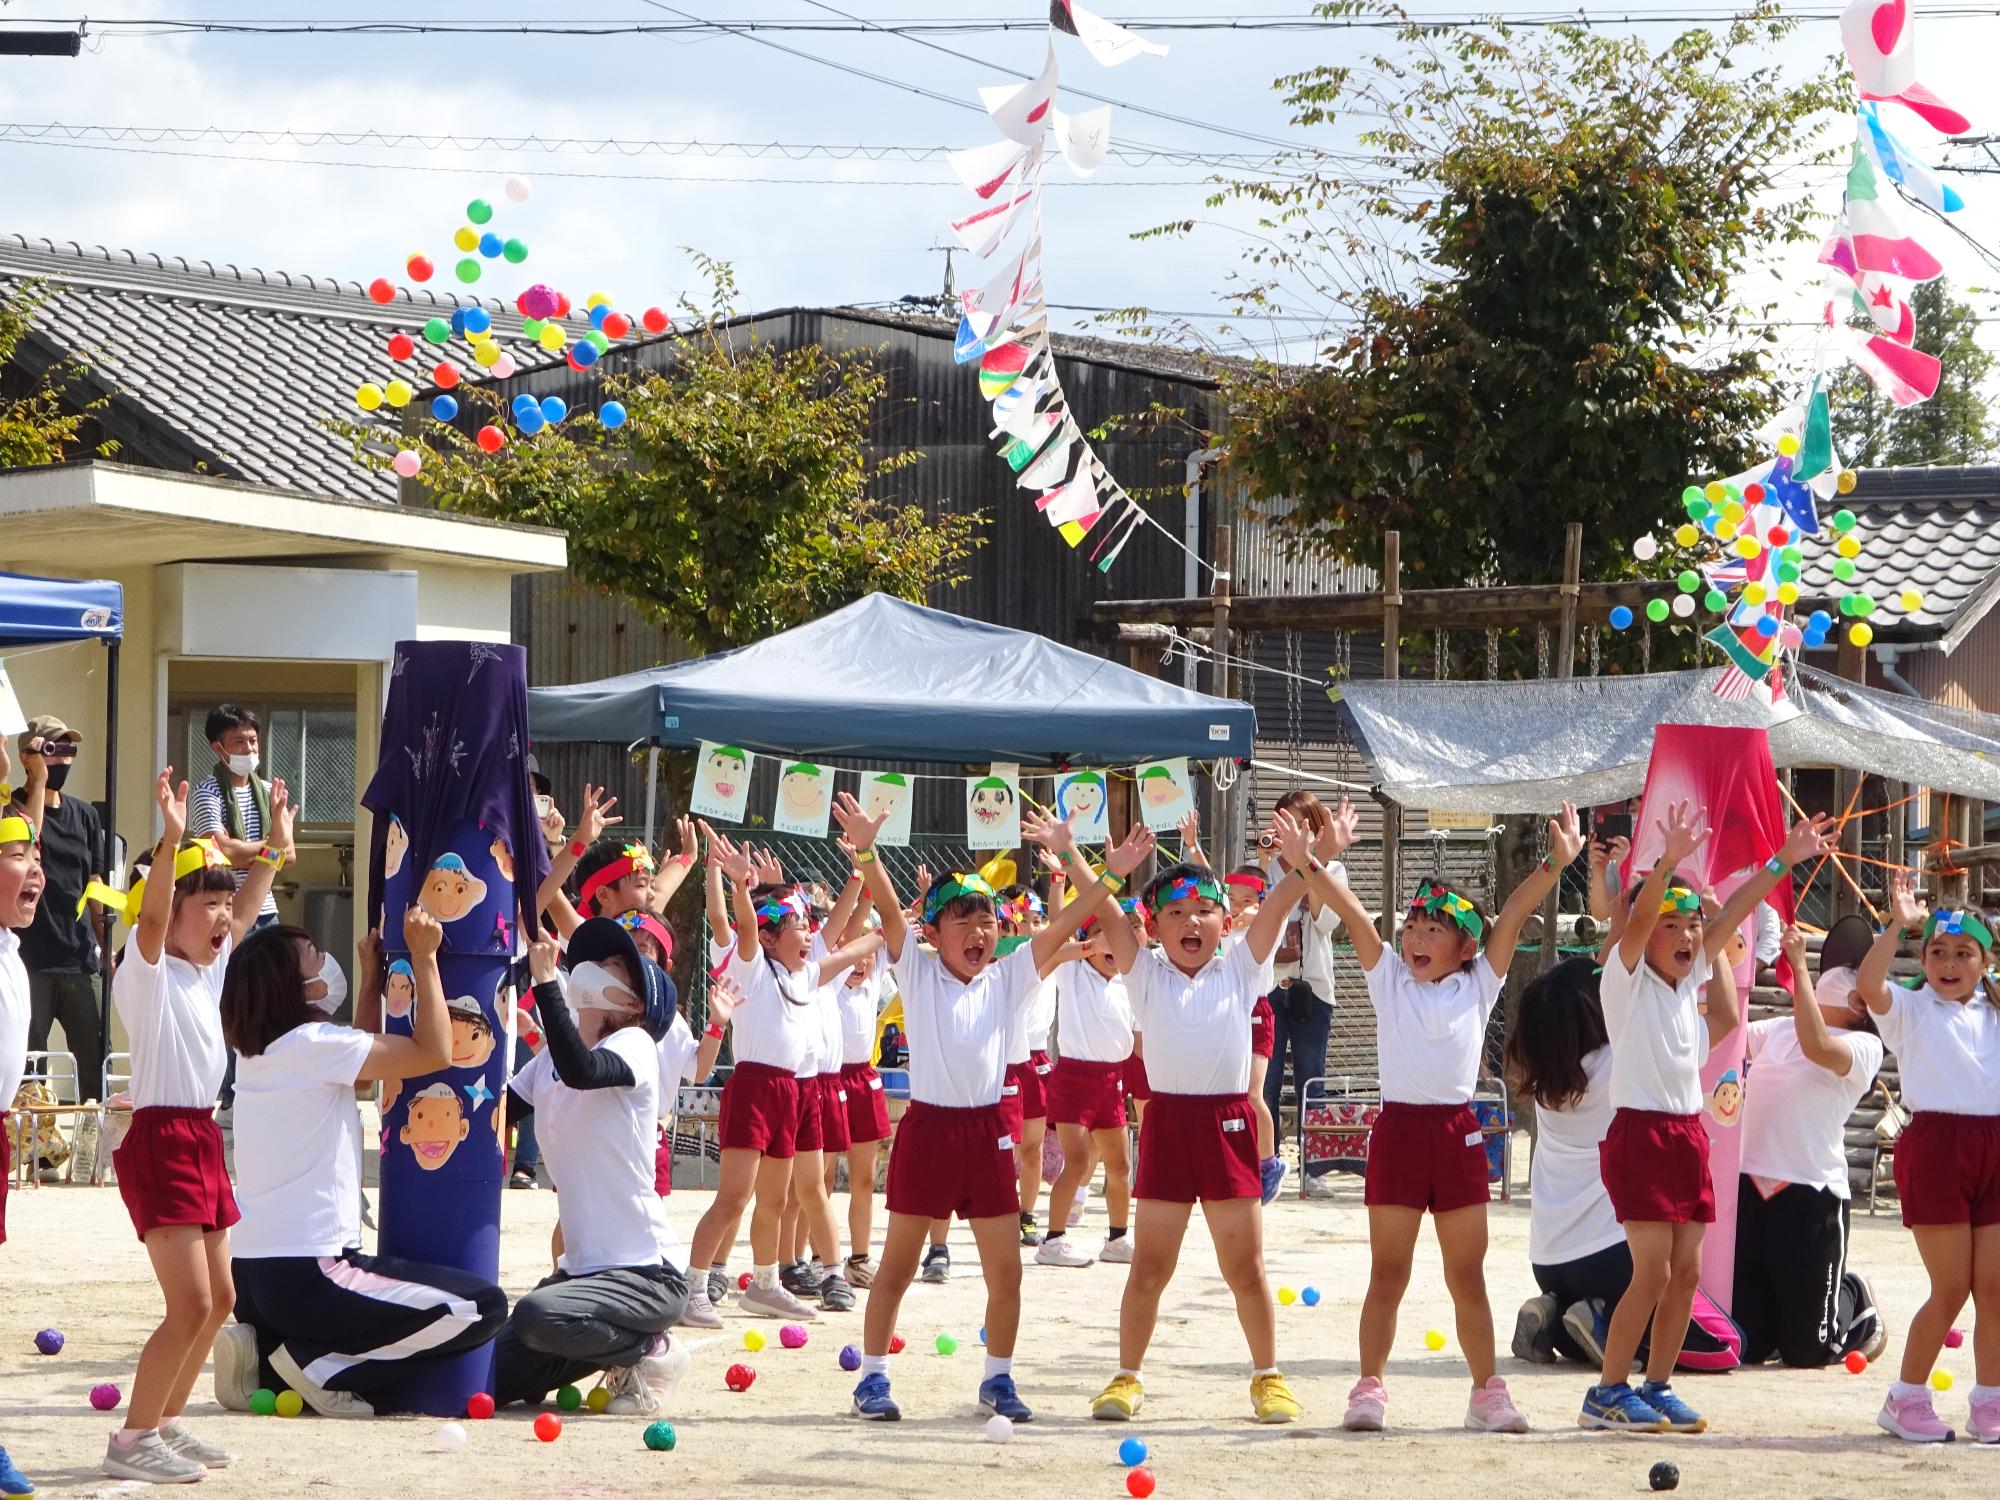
504, 366
104, 1397
1791, 637
792, 1336
407, 464
1954, 1338
538, 301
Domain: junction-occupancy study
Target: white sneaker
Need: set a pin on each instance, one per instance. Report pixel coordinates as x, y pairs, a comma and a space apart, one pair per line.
327, 1403
775, 1302
151, 1461
1063, 1251
235, 1356
192, 1448
629, 1396
700, 1313
1320, 1186
1118, 1251
653, 1382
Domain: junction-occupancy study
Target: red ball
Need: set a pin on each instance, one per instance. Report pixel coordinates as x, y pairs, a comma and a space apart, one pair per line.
1754, 493
401, 346
492, 439
1856, 1361
743, 1282
571, 357
420, 268
444, 374
617, 325
1139, 1483
896, 1344
1779, 536
562, 305
739, 1377
381, 290
654, 321
479, 1406
548, 1427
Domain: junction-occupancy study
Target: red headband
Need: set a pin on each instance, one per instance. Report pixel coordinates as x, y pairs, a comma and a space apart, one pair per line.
645, 921
1255, 883
633, 858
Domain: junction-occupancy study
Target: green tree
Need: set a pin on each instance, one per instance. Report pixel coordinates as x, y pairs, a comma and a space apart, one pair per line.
44, 423
733, 503
1956, 426
1529, 280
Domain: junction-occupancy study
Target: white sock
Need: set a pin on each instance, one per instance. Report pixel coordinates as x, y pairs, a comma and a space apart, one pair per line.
1260, 1374
125, 1437
874, 1364
1133, 1373
995, 1365
1901, 1389
765, 1277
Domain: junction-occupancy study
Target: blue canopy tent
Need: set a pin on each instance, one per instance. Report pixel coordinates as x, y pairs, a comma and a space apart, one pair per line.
36, 612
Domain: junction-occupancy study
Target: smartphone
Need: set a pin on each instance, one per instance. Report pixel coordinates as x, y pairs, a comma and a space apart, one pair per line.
544, 804
1608, 826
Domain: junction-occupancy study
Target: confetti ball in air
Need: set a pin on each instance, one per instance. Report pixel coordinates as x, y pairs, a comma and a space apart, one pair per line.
548, 1427
1715, 601
1139, 1483
368, 396
1723, 530
1911, 600
1954, 1338
1715, 492
290, 1403
398, 393
503, 367
49, 1341
1846, 481
1748, 546
1767, 627
444, 375
382, 290
1433, 1340
1656, 610
479, 1406
406, 464
1791, 637
1861, 632
517, 189
1683, 606
1788, 445
465, 238
1131, 1453
1788, 572
437, 331
739, 1377
420, 268
999, 1429
551, 338
479, 211
599, 311
486, 355
491, 438
946, 1344
1686, 534
1691, 494
1788, 593
597, 340
401, 346
537, 301
1864, 605
897, 1343
530, 421
611, 414
1733, 512
1940, 1380
516, 251
792, 1336
562, 305
1310, 1296
585, 353
1856, 1361
653, 320
554, 409
595, 300
1286, 1296
850, 1357
598, 1399
569, 1398
468, 270
450, 1438
660, 1437
1646, 548
490, 245
752, 1340
1621, 617
1664, 1476
1754, 493
263, 1402
616, 326
531, 328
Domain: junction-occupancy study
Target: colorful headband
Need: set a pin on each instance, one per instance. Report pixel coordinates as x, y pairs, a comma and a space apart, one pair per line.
1951, 922
1201, 887
772, 910
645, 921
1022, 907
950, 889
1246, 881
631, 859
199, 855
1678, 898
1445, 904
16, 831
1126, 904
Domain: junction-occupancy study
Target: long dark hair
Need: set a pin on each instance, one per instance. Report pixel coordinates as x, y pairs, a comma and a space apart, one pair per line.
1558, 1022
773, 891
264, 989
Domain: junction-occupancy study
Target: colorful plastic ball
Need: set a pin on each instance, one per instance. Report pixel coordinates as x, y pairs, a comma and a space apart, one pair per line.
516, 251
398, 393
290, 1403
1286, 1296
1846, 481
444, 375
1788, 593
1664, 1476
491, 438
503, 368
1754, 493
548, 1427
739, 1377
1843, 520
584, 354
406, 464
490, 245
1733, 512
551, 338
597, 340
1646, 548
458, 322
1656, 610
1861, 632
1139, 1483
437, 331
897, 1343
368, 396
1843, 569
999, 1429
1689, 581
1753, 593
1791, 637
1864, 605
792, 1336
1722, 530
946, 1344
1940, 1380
476, 319
611, 414
595, 300
486, 355
1691, 494
1131, 1453
531, 328
523, 402
1788, 572
1856, 1361
1748, 546
569, 1398
660, 1437
554, 409
653, 320
850, 1357
537, 301
468, 270
530, 421
1848, 546
1788, 445
420, 268
479, 1406
599, 311
982, 1335
1433, 1340
1686, 534
479, 211
263, 1402
1715, 601
49, 1341
1683, 606
1767, 627
616, 326
450, 1438
1911, 600
562, 305
382, 290
598, 1399
1715, 492
464, 238
752, 1340
1954, 1338
401, 346
517, 189
1310, 1296
1621, 617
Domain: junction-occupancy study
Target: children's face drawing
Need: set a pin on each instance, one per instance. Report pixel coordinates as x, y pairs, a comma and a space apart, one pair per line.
1159, 791
503, 858
991, 805
800, 795
399, 994
1083, 802
434, 1129
1726, 1103
471, 1042
724, 774
451, 890
394, 847
886, 798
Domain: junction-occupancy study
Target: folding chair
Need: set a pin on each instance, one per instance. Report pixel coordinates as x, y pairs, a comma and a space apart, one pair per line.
1335, 1115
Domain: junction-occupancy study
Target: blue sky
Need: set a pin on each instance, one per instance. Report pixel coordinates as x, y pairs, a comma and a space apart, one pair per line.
798, 232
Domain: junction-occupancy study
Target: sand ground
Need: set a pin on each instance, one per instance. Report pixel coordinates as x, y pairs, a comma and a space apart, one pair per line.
71, 1262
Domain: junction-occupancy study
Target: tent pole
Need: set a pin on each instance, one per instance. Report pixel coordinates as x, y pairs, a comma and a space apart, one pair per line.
1392, 655
106, 959
1852, 664
652, 789
1565, 668
1228, 836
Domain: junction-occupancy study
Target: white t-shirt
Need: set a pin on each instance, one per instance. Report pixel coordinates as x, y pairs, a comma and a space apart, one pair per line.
1948, 1054
1197, 1025
860, 1005
1658, 1036
1429, 1036
1316, 932
1093, 1014
15, 1010
1039, 1021
298, 1144
1768, 935
1795, 1112
778, 1023
172, 1014
1570, 1213
677, 1050
958, 1031
600, 1145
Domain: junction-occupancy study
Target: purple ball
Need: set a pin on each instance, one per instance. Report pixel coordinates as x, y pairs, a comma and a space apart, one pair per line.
850, 1358
538, 302
49, 1341
104, 1397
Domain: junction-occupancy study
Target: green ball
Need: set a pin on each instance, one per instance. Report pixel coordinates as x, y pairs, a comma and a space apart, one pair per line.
1656, 610
1716, 600
531, 328
437, 331
1843, 569
515, 251
569, 1398
263, 1402
479, 211
661, 1437
1846, 604
1689, 581
1788, 572
1692, 496
1843, 520
1698, 508
1792, 555
946, 1344
1864, 605
468, 270
599, 340
1733, 493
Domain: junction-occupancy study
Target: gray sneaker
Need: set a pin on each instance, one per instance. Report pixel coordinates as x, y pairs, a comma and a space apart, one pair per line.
235, 1356
937, 1265
1317, 1185
192, 1448
835, 1295
719, 1286
1534, 1330
775, 1302
700, 1313
151, 1461
327, 1403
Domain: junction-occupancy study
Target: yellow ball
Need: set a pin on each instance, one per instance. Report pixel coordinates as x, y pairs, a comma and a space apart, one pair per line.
1940, 1381
598, 1399
596, 299
1861, 632
478, 338
1434, 1340
1724, 531
1748, 546
1686, 535
487, 355
551, 338
1715, 491
369, 396
467, 238
1788, 445
398, 393
1788, 593
1286, 1296
290, 1405
1753, 593
1848, 546
1733, 513
753, 1340
1847, 481
1911, 600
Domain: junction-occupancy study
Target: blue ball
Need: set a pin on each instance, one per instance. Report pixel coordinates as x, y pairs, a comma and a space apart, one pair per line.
477, 320
1621, 618
524, 402
584, 354
490, 245
531, 420
1767, 627
1820, 620
1310, 1296
458, 322
1131, 1453
611, 414
599, 313
982, 1333
554, 409
444, 408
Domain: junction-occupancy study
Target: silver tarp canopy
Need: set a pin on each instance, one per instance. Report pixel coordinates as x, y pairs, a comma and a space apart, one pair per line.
1525, 747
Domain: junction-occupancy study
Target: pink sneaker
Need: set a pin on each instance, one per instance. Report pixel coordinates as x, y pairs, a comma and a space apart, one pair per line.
1367, 1405
1911, 1419
1982, 1425
1490, 1410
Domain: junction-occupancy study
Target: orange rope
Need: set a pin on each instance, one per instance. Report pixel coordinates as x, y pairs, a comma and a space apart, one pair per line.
1839, 868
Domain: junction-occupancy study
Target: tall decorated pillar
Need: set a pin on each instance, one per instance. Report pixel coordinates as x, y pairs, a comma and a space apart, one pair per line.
453, 830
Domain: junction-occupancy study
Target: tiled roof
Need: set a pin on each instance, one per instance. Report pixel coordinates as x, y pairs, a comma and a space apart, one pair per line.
1933, 530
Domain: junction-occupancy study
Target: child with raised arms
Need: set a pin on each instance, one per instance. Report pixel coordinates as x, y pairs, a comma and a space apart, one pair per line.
1198, 1144
1946, 1036
1426, 1153
953, 1152
21, 885
859, 998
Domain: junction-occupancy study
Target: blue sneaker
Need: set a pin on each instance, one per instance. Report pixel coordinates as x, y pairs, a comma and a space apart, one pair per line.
999, 1397
1273, 1169
12, 1480
1618, 1408
1681, 1417
872, 1401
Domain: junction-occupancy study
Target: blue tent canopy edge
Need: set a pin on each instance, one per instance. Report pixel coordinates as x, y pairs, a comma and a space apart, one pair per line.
48, 611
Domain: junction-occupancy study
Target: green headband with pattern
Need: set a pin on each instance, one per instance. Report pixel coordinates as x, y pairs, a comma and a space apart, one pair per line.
1445, 904
1678, 898
1955, 922
950, 889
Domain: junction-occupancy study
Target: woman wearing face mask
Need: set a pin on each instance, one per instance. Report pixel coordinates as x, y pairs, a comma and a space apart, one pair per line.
170, 1169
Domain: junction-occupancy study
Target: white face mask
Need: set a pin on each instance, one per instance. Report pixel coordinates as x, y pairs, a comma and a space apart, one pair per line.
331, 982
240, 765
594, 987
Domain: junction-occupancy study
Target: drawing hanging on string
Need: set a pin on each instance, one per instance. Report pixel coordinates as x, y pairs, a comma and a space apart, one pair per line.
721, 782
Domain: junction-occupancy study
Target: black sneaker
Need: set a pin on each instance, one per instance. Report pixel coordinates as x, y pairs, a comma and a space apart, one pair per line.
835, 1295
1030, 1234
799, 1280
937, 1265
720, 1287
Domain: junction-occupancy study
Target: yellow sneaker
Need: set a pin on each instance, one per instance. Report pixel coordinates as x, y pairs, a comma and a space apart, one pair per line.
1120, 1401
1273, 1400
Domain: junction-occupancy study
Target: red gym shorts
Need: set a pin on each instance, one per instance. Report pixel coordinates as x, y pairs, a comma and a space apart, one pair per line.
1655, 1168
834, 1134
760, 1111
1196, 1147
6, 1167
953, 1161
1136, 1084
1023, 1098
1948, 1169
1427, 1157
867, 1105
1090, 1094
1260, 1029
812, 1123
663, 1163
170, 1171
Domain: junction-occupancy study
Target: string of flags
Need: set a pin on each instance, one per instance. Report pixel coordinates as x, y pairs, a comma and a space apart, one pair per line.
1004, 319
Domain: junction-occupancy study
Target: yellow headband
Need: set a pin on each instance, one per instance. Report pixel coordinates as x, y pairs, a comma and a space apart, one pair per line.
199, 855
16, 830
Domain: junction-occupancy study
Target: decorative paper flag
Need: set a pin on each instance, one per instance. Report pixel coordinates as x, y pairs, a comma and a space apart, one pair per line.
1815, 455
1021, 110
1015, 409
970, 342
888, 792
1880, 244
993, 809
805, 801
1112, 539
1164, 793
1876, 297
1108, 43
1085, 139
1881, 49
1905, 376
1070, 502
1901, 167
1017, 275
1052, 462
1795, 499
983, 232
1020, 450
1000, 368
1082, 798
721, 782
985, 169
